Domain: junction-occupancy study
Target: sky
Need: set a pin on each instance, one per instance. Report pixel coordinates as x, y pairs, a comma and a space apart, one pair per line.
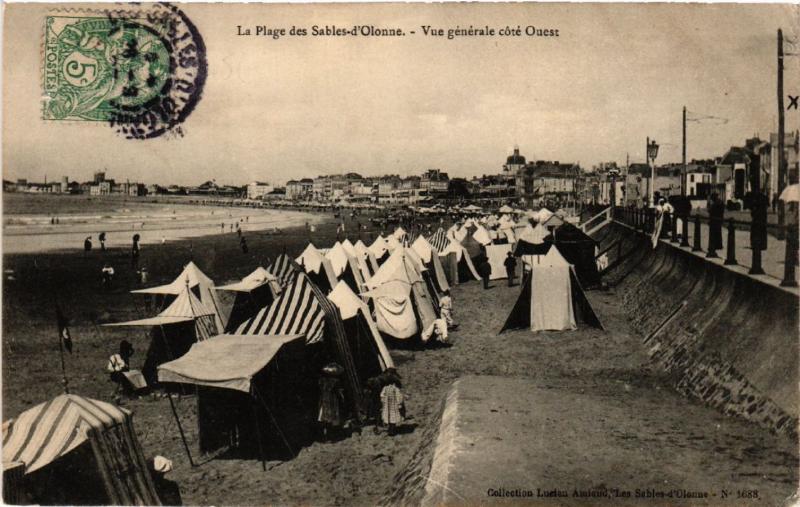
274, 110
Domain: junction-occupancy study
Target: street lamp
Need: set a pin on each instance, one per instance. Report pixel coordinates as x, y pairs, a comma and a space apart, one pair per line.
652, 153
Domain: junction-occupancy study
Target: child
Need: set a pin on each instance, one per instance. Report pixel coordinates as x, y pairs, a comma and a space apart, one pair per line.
392, 405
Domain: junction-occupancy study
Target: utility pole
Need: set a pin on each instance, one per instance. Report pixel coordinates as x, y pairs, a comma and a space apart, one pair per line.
781, 135
683, 172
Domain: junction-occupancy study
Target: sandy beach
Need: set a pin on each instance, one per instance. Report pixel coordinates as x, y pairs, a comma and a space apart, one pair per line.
608, 367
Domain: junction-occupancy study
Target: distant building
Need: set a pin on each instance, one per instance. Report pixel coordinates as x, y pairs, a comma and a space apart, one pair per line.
547, 180
300, 189
258, 189
514, 163
434, 181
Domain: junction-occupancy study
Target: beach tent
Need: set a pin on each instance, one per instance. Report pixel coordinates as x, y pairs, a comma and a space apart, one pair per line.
380, 249
457, 264
399, 234
543, 215
553, 221
256, 395
303, 309
482, 236
402, 302
198, 282
506, 209
532, 241
174, 330
317, 267
392, 244
439, 241
551, 298
431, 261
578, 249
284, 269
497, 256
253, 292
366, 254
369, 351
78, 451
346, 267
472, 208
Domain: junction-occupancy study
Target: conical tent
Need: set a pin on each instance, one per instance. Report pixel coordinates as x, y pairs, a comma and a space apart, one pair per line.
392, 244
379, 249
90, 443
439, 241
367, 255
317, 267
432, 262
401, 297
399, 234
346, 267
199, 283
457, 264
532, 241
284, 269
579, 250
482, 236
253, 292
368, 347
551, 298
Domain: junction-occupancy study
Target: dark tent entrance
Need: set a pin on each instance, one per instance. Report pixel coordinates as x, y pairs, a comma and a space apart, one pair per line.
579, 250
247, 304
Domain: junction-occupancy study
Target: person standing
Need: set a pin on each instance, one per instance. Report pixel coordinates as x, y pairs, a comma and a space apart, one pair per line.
102, 238
716, 213
511, 268
485, 270
108, 276
168, 491
446, 305
243, 244
331, 396
135, 251
87, 244
117, 365
392, 405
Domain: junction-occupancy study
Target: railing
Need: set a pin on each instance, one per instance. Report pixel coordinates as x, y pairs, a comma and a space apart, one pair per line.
644, 221
599, 219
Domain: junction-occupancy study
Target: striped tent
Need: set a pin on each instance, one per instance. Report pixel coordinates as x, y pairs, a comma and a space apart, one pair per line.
439, 240
296, 311
46, 432
283, 269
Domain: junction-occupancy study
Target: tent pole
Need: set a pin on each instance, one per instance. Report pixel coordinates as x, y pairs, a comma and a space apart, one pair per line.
274, 422
258, 435
180, 430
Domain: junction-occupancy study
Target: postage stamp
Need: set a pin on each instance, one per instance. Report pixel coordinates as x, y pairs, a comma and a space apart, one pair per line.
140, 71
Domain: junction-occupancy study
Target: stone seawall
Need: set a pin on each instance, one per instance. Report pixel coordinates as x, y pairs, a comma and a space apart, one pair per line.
733, 339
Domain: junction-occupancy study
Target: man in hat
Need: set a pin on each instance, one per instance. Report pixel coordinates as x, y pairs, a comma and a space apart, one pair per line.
511, 268
117, 365
168, 491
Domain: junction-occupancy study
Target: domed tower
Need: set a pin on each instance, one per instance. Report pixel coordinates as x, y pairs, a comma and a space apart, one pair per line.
514, 162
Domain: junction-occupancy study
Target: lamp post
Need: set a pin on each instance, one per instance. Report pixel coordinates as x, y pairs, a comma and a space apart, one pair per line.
652, 153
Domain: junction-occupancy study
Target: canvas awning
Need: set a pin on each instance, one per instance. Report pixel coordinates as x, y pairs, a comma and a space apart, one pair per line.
185, 308
226, 361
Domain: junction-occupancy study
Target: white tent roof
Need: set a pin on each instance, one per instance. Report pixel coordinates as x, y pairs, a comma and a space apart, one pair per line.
553, 258
349, 247
338, 257
506, 209
392, 243
186, 307
379, 247
191, 274
310, 259
399, 233
422, 248
534, 235
543, 215
482, 236
254, 280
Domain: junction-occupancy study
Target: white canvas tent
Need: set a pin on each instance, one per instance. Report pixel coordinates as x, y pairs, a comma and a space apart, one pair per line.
551, 298
458, 264
433, 264
366, 254
318, 267
352, 307
347, 267
401, 298
253, 292
379, 249
482, 236
497, 256
196, 280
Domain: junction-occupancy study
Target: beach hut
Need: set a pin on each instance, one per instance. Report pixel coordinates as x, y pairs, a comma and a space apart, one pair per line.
432, 262
380, 249
403, 304
578, 249
368, 348
201, 285
256, 395
77, 451
317, 267
497, 256
284, 269
253, 292
174, 330
551, 298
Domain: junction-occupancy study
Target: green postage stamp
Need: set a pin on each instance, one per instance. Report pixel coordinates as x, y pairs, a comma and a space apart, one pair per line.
94, 65
141, 71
